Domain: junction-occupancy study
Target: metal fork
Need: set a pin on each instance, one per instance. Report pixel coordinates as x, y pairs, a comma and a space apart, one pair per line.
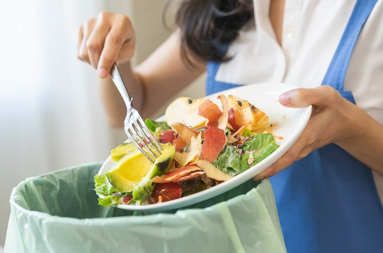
134, 126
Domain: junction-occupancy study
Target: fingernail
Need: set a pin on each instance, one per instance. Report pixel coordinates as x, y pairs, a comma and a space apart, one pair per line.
284, 98
102, 72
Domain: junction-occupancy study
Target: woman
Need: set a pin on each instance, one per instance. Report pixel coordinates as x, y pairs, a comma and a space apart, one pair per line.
326, 184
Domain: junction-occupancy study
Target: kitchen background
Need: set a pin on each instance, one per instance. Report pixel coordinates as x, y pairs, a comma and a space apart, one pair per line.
51, 116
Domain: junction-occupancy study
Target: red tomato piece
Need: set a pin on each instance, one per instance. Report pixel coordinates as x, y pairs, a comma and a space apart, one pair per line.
168, 191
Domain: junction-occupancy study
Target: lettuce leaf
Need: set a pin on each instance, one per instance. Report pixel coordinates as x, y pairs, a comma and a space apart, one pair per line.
229, 160
235, 160
257, 142
111, 196
110, 200
103, 186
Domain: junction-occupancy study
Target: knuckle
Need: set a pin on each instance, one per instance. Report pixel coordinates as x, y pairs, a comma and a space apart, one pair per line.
83, 55
94, 46
115, 38
330, 91
102, 16
106, 61
123, 19
89, 24
326, 88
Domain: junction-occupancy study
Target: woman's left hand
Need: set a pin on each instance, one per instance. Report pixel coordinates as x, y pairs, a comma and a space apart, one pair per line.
330, 121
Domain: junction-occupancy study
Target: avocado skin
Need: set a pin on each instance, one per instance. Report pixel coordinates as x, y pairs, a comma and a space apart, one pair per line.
145, 187
164, 165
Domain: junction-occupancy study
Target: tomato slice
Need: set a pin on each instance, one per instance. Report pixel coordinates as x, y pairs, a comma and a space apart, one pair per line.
167, 191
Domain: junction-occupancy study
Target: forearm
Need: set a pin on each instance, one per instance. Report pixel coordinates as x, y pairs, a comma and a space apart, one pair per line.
163, 85
164, 73
366, 141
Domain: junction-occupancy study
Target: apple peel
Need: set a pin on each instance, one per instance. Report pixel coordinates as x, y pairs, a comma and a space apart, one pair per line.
212, 172
190, 176
184, 132
193, 154
178, 174
215, 140
185, 109
245, 112
210, 111
231, 121
225, 115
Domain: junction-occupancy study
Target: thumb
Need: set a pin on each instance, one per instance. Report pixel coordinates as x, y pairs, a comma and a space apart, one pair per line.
300, 98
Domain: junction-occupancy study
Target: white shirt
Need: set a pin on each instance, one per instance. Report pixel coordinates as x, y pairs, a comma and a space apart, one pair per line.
312, 30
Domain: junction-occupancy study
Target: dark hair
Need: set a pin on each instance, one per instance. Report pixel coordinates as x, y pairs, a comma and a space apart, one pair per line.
207, 25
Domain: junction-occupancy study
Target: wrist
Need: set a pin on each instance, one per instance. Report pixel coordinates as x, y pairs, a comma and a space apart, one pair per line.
353, 129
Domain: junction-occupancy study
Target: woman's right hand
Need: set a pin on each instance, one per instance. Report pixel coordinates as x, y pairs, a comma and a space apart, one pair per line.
104, 40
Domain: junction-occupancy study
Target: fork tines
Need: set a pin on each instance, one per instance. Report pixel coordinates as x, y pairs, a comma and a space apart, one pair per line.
143, 139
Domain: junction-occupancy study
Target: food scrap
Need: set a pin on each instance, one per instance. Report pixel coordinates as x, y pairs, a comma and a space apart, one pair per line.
203, 144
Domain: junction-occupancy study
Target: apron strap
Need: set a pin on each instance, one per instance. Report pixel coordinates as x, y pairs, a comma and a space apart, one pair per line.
336, 72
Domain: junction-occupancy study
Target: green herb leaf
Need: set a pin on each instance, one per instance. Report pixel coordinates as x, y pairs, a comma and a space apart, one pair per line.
154, 125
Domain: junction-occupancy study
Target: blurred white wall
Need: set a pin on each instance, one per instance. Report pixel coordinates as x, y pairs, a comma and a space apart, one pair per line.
50, 112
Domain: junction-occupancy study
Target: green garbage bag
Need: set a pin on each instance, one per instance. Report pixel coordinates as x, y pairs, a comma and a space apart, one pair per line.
59, 212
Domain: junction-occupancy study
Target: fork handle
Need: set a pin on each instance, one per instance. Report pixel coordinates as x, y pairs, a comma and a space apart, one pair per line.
117, 79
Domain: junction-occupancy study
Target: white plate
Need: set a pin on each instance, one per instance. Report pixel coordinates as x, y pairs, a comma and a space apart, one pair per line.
291, 123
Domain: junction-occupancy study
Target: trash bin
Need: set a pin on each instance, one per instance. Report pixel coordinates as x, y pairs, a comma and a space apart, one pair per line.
59, 212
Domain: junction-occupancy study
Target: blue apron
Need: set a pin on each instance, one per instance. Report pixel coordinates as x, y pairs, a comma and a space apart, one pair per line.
327, 202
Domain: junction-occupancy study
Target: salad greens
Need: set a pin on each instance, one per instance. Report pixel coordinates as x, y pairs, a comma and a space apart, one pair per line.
111, 195
103, 186
236, 159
